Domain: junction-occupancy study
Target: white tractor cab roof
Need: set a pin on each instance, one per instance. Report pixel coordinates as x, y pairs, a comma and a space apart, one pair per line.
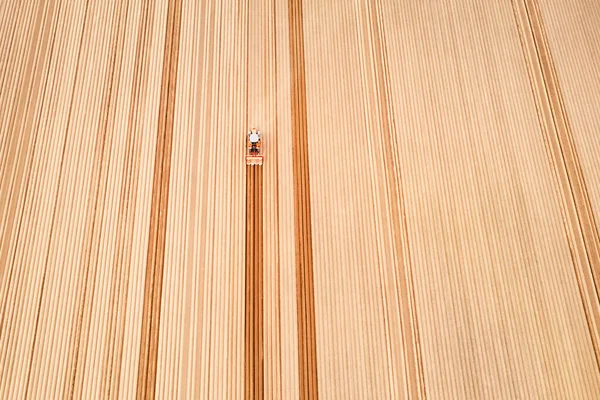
254, 137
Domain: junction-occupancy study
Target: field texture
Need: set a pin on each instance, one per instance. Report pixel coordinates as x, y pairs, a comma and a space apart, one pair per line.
425, 224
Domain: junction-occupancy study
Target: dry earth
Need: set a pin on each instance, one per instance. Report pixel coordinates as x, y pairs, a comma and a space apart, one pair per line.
425, 224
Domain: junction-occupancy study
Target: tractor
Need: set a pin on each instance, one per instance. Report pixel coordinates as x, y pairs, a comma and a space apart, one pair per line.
254, 154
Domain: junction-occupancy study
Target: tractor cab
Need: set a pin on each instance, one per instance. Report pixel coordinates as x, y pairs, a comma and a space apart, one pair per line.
253, 148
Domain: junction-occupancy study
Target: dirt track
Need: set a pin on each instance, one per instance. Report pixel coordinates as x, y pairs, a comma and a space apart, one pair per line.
254, 324
425, 224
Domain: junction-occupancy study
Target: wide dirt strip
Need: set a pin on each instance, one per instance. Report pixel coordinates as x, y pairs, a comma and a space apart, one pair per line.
158, 220
307, 348
254, 350
577, 209
393, 174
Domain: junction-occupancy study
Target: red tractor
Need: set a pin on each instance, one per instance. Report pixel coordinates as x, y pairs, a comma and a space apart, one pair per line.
253, 148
